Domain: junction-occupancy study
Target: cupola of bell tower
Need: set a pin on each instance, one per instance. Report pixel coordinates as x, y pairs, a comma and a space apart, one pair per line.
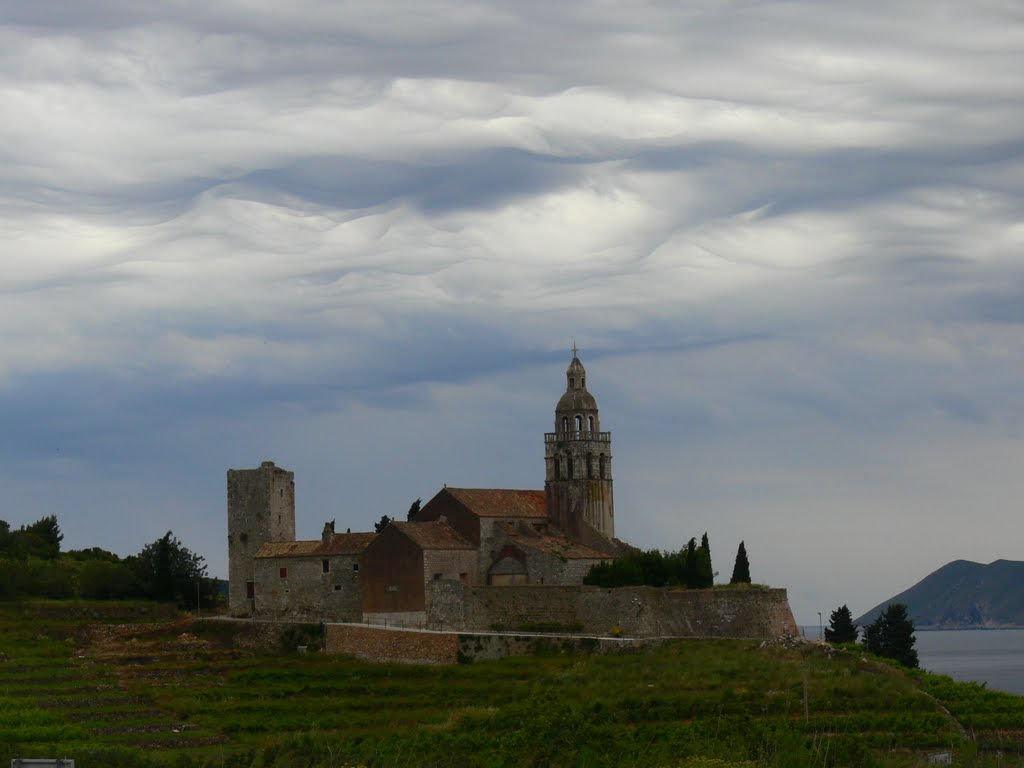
578, 456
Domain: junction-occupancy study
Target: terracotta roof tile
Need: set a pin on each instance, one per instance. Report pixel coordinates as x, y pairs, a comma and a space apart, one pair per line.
340, 544
287, 548
436, 534
347, 544
551, 544
502, 502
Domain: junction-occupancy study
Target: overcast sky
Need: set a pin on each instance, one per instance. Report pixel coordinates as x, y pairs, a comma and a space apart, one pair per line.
360, 238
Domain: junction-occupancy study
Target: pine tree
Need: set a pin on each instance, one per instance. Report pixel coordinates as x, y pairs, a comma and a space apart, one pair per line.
741, 570
381, 524
891, 635
168, 570
841, 628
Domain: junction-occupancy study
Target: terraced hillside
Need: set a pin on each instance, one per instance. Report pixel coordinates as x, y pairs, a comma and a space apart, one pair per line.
123, 689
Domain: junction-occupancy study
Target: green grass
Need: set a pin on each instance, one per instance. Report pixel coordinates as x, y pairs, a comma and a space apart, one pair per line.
159, 700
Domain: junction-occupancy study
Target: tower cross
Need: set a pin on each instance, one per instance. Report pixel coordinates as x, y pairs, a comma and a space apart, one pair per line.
574, 350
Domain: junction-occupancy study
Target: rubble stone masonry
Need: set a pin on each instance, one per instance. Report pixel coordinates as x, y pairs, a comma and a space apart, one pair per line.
631, 611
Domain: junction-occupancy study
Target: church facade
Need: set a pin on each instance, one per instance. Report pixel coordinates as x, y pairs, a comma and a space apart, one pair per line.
464, 537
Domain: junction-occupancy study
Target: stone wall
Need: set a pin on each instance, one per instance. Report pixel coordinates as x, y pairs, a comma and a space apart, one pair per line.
382, 644
428, 647
653, 612
484, 647
633, 611
307, 591
450, 564
406, 619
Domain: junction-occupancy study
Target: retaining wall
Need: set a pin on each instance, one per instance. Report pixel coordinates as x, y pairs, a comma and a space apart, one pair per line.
389, 644
417, 646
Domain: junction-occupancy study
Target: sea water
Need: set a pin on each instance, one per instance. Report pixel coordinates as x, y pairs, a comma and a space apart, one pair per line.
991, 656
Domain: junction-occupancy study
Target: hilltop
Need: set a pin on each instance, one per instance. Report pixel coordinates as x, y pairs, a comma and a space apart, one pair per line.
110, 685
964, 595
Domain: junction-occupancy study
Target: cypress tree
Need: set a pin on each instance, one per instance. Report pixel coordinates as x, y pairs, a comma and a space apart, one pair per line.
691, 563
413, 509
741, 570
841, 628
705, 574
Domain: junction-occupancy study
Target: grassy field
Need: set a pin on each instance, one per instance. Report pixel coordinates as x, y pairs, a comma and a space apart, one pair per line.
137, 689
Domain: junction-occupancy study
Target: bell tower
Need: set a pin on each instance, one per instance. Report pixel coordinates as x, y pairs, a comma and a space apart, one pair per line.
578, 455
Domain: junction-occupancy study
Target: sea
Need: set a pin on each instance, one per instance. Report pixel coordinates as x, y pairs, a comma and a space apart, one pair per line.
994, 657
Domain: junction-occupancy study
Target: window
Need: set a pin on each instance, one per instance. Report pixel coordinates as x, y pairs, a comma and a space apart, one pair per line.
590, 423
590, 466
569, 462
579, 423
281, 493
337, 587
437, 577
250, 589
464, 578
565, 423
558, 469
572, 383
600, 462
283, 573
326, 566
355, 567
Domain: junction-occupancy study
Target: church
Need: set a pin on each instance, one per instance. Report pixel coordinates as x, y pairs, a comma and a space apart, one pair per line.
408, 574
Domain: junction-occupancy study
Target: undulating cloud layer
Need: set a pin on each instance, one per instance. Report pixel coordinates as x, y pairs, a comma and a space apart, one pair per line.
360, 238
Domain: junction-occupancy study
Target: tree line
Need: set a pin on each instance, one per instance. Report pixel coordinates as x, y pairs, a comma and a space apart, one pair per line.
689, 567
32, 565
890, 635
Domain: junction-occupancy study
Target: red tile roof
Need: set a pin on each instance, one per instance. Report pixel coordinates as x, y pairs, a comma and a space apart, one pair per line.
340, 544
436, 534
501, 502
551, 544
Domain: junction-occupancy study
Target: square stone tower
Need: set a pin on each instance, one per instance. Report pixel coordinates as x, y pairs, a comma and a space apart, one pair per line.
261, 508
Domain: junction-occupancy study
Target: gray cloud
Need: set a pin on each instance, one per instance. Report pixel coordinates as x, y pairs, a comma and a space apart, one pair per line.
359, 239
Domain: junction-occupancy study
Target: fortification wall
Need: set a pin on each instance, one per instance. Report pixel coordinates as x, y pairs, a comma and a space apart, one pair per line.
633, 611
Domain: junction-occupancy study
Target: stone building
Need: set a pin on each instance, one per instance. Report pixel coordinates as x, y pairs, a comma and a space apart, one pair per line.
469, 536
403, 559
472, 537
474, 559
311, 579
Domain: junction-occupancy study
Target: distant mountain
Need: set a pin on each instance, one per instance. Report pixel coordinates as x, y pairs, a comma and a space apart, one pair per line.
964, 595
